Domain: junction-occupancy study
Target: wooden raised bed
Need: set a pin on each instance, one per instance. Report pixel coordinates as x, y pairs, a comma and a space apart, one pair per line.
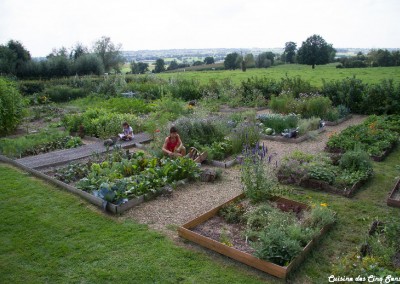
110, 207
276, 270
291, 140
392, 201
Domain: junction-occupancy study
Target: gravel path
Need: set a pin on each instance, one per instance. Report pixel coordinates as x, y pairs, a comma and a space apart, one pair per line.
190, 200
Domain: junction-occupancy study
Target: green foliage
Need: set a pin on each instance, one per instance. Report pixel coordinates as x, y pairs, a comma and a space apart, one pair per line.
136, 175
315, 51
299, 167
355, 160
197, 132
245, 133
35, 144
11, 107
279, 122
186, 90
232, 212
375, 135
63, 93
100, 122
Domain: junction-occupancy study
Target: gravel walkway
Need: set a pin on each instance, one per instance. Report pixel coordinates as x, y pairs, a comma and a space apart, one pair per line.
190, 200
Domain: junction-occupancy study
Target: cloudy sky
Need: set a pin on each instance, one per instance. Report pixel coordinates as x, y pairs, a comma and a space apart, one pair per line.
41, 25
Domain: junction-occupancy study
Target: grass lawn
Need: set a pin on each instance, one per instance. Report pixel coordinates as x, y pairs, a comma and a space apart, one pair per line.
328, 72
48, 235
51, 236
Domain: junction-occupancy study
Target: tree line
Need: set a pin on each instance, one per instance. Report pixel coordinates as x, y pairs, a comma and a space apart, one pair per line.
104, 56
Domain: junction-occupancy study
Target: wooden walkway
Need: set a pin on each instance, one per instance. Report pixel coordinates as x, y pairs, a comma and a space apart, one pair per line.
64, 156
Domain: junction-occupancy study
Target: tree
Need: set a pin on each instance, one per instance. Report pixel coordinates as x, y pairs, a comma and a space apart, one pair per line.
209, 60
13, 58
290, 51
78, 51
265, 59
198, 63
249, 60
232, 61
88, 64
160, 66
315, 51
139, 68
173, 65
109, 53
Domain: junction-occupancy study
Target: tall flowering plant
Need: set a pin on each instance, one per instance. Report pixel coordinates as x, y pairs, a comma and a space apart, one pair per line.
258, 185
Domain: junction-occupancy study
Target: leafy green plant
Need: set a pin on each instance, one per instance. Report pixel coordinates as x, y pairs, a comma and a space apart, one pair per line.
232, 212
11, 107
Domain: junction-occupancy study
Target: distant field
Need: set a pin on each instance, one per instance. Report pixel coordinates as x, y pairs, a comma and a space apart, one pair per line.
327, 72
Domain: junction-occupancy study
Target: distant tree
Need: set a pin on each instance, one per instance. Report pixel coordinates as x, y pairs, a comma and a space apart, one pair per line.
315, 51
232, 61
249, 60
265, 59
209, 60
88, 64
160, 66
139, 68
77, 51
58, 66
173, 65
198, 63
381, 57
13, 58
290, 51
243, 65
61, 52
109, 53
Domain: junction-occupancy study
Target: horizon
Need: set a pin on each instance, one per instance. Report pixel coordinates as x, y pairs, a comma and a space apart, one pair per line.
42, 25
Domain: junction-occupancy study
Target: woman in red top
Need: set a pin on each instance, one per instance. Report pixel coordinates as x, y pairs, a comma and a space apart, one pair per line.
173, 146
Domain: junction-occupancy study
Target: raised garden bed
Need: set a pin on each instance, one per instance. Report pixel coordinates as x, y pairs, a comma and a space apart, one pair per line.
108, 206
187, 231
394, 196
291, 140
324, 186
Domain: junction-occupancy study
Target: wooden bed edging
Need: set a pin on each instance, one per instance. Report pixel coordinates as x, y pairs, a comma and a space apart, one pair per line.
292, 140
268, 267
391, 201
115, 209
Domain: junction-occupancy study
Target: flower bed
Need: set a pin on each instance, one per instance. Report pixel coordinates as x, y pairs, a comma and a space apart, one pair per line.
377, 135
299, 139
394, 196
320, 172
238, 252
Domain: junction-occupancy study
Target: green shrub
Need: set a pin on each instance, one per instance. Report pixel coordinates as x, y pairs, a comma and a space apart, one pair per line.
63, 93
307, 125
186, 90
356, 160
31, 87
11, 107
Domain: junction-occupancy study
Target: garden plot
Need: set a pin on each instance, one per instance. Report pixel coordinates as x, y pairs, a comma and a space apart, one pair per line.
377, 135
320, 172
253, 234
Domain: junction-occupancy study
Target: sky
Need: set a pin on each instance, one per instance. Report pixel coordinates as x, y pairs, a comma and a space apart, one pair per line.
41, 25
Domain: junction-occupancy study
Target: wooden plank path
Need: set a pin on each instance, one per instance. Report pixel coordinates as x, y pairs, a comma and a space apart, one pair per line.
67, 155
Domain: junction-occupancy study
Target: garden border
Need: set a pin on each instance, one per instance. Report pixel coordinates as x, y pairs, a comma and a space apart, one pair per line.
268, 267
292, 140
390, 200
110, 207
315, 184
339, 121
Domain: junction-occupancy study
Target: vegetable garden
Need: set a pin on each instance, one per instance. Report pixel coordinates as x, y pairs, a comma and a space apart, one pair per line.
261, 108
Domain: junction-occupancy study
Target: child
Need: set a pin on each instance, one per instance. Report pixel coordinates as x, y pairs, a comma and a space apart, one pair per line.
127, 132
173, 146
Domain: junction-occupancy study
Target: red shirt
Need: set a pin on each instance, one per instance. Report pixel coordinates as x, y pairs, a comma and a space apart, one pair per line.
172, 145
